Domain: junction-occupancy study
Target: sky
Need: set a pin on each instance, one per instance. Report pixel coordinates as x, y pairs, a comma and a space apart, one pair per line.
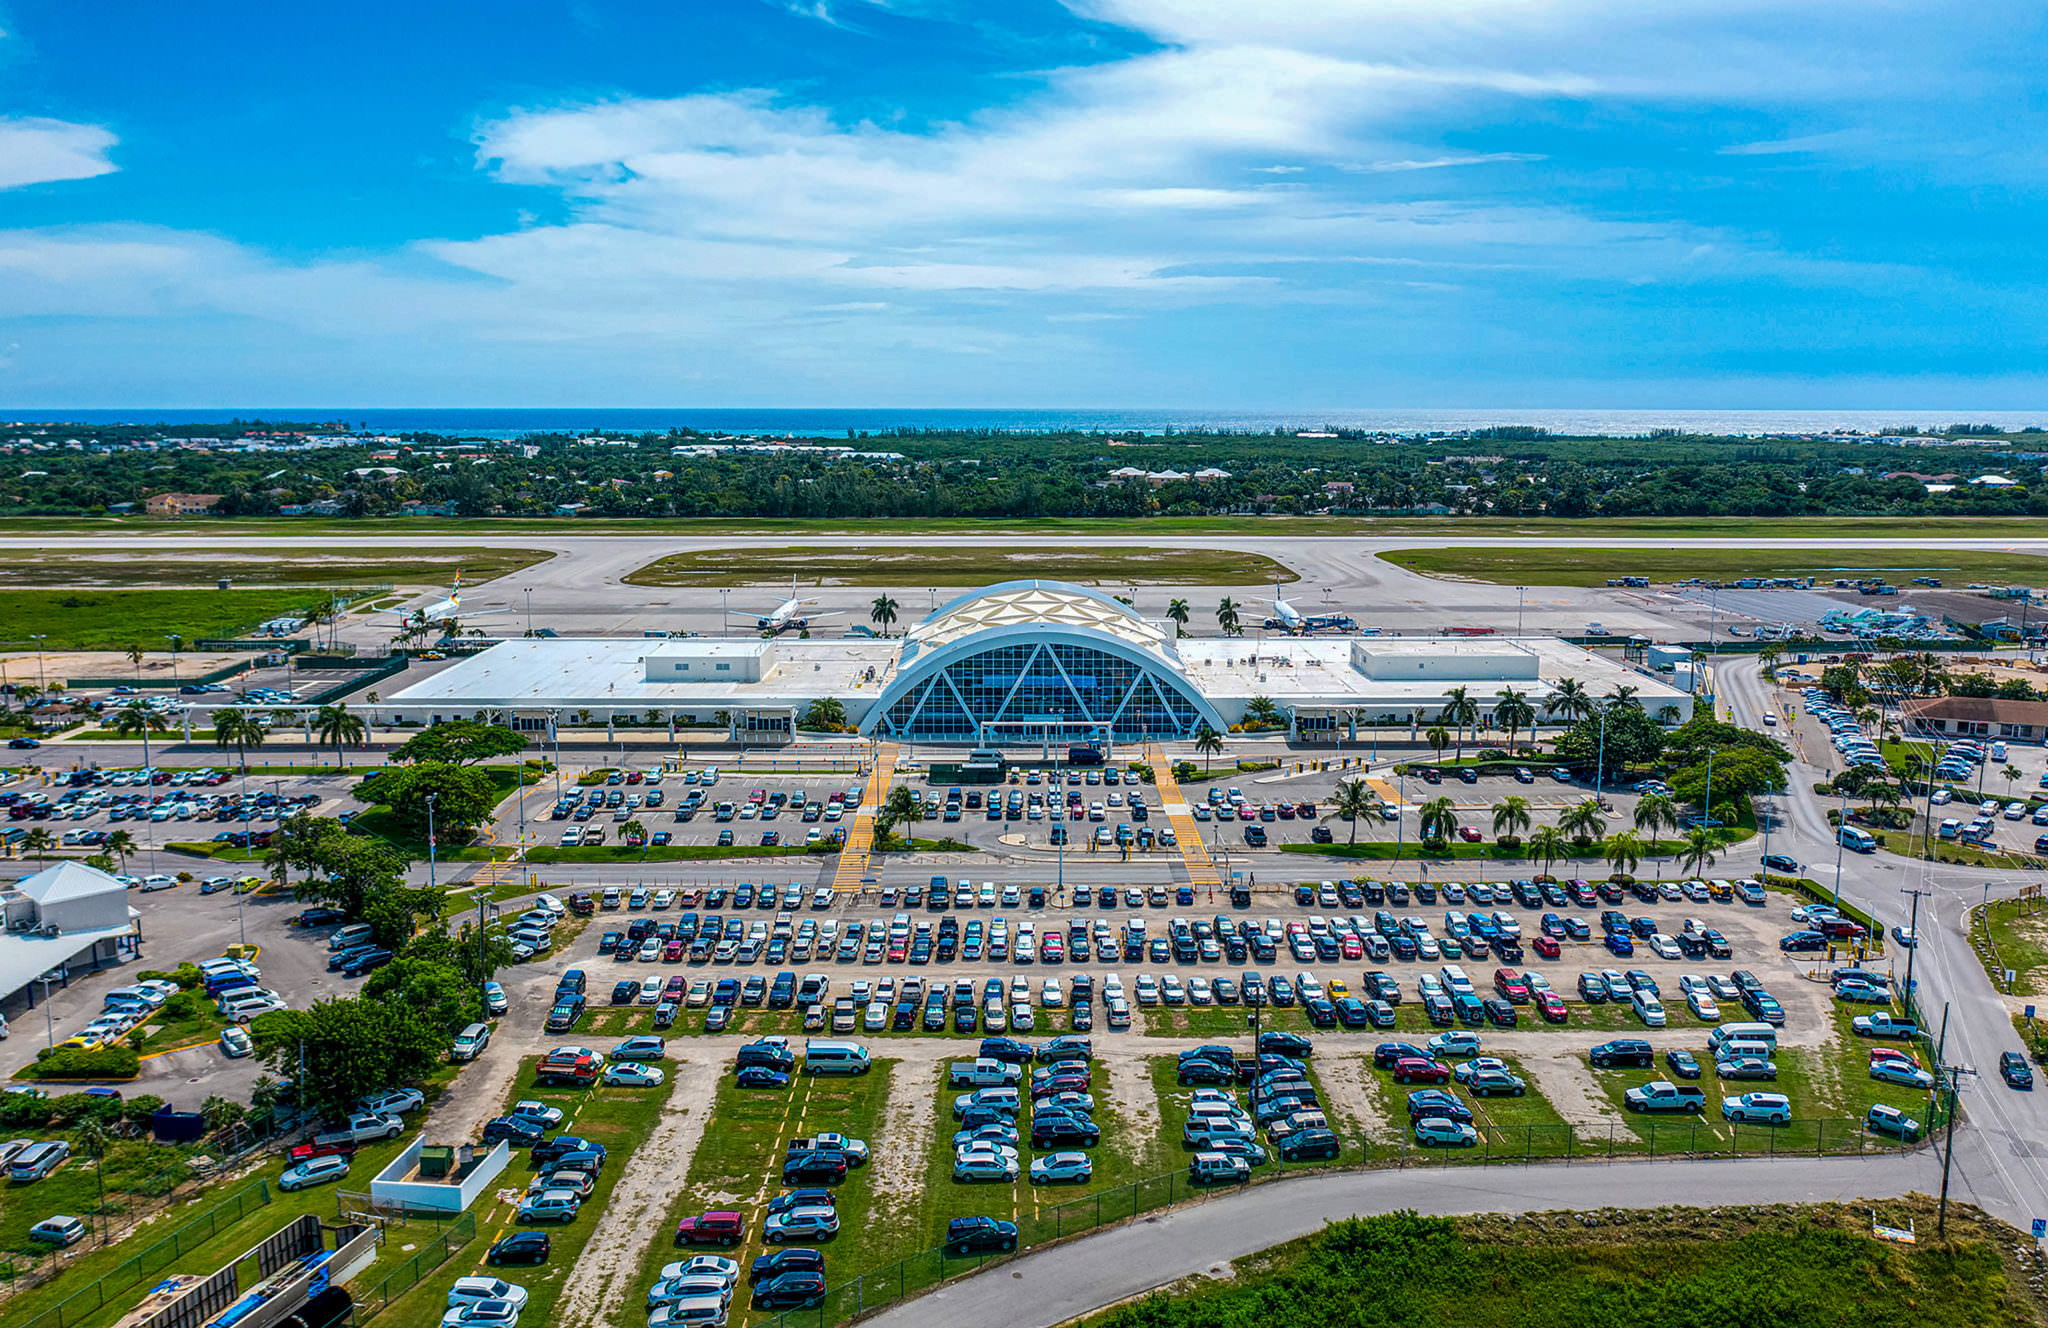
1221, 204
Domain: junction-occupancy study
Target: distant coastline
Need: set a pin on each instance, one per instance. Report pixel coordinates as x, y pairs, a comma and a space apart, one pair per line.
830, 422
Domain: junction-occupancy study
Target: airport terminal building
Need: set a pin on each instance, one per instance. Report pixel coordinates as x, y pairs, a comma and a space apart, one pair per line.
1020, 662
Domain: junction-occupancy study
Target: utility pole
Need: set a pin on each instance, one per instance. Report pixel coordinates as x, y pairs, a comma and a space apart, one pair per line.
431, 866
1520, 593
1913, 930
1953, 1074
529, 610
1842, 824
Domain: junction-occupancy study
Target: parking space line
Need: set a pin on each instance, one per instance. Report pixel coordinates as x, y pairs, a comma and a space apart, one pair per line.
1194, 853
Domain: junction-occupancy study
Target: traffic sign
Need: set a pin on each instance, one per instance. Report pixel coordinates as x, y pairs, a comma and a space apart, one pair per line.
2040, 1228
2028, 1012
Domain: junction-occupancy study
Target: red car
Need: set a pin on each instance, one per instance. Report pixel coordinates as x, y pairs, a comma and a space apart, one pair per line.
1470, 834
717, 1228
1546, 946
1509, 983
1551, 1006
1416, 1070
1051, 948
1352, 947
673, 952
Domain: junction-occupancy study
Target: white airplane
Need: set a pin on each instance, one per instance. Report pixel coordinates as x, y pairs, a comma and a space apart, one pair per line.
443, 610
788, 616
1287, 618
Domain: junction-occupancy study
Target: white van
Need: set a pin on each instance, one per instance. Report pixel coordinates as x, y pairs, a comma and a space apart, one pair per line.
1726, 1033
1858, 839
356, 933
823, 1057
470, 1043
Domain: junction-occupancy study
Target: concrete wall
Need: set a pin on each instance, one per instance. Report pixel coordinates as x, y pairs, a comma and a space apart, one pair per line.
391, 1190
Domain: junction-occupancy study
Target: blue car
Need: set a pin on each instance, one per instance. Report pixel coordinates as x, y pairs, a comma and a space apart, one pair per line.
1435, 1102
760, 1076
1061, 1168
1441, 1132
1619, 943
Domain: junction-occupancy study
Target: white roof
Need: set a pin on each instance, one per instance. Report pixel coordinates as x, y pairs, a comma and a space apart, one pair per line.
68, 880
1035, 603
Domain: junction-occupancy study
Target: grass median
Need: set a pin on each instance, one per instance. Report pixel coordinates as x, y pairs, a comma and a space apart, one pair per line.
620, 1119
1594, 567
738, 1165
961, 566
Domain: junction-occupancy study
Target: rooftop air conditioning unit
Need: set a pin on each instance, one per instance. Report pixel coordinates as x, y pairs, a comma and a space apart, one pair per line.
50, 929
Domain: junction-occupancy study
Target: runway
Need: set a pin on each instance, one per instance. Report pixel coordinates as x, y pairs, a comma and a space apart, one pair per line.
582, 591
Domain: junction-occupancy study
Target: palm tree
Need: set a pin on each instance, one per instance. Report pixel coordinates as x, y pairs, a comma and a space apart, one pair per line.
1570, 699
901, 807
1512, 712
137, 719
1549, 844
233, 728
38, 840
2011, 773
1208, 742
92, 1140
632, 828
1437, 820
1460, 711
1439, 738
1260, 712
1226, 616
27, 692
1625, 852
1352, 799
1623, 694
334, 724
134, 654
1654, 812
1768, 655
1699, 850
883, 611
118, 846
1511, 817
1667, 715
1178, 611
1583, 821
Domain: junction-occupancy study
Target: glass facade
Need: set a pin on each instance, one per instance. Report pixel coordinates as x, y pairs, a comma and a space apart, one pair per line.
1052, 690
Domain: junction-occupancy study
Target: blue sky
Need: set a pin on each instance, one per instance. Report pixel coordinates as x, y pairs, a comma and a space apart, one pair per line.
1178, 203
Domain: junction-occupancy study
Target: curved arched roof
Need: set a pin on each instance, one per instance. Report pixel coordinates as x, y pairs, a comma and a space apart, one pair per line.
1034, 603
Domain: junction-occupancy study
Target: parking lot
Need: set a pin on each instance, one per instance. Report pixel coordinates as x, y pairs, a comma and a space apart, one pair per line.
159, 806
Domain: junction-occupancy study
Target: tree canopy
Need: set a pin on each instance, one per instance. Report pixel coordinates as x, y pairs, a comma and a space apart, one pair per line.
464, 797
459, 742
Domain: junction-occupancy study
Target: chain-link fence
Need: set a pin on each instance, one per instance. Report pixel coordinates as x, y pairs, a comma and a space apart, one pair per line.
431, 1254
1634, 1139
154, 1259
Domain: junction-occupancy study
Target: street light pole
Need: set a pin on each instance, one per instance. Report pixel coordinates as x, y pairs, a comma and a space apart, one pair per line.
529, 610
1842, 823
174, 638
1520, 593
42, 684
431, 866
1953, 1074
1913, 929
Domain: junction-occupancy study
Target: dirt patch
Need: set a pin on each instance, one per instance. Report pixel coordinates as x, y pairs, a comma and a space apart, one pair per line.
1133, 1098
901, 1143
638, 1211
1570, 1088
1355, 1099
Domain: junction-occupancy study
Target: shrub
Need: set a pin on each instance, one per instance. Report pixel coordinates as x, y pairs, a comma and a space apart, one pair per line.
99, 1063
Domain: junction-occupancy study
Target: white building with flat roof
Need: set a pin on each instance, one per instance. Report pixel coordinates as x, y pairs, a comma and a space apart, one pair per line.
1024, 661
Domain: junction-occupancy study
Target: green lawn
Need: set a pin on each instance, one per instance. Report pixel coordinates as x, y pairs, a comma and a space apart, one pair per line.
961, 566
294, 565
620, 1119
117, 619
2018, 929
738, 1165
1593, 567
1817, 1265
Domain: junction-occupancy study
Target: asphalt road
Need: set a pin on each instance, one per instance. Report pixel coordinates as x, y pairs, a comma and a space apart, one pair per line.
1070, 1280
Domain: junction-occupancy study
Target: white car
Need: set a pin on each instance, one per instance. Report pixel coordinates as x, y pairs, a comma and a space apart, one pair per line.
632, 1074
469, 1290
235, 1042
396, 1102
1703, 1005
703, 1265
536, 1110
158, 881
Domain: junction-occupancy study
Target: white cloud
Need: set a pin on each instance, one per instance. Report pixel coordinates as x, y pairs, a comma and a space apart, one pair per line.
1807, 143
1440, 163
38, 151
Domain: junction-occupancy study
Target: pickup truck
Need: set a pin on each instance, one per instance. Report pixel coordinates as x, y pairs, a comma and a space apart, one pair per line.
307, 1152
856, 1150
1884, 1024
983, 1072
567, 1069
363, 1127
1663, 1095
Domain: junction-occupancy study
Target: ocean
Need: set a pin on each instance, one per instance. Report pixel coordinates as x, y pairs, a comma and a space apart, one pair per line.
503, 423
